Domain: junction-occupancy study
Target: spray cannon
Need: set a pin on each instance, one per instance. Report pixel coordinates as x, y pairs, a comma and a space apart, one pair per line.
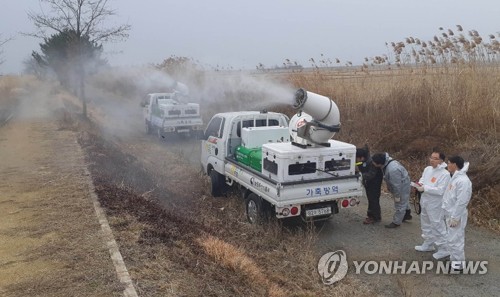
317, 120
181, 89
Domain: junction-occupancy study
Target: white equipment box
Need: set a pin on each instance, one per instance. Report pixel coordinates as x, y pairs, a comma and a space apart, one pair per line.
285, 162
254, 137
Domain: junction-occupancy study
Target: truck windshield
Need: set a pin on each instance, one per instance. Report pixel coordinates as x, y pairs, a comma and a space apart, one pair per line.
215, 128
167, 101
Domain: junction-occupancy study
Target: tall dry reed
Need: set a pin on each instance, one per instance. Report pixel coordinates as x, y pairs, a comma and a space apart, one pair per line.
410, 109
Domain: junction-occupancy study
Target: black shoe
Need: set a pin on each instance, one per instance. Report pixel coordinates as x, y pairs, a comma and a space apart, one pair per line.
407, 216
368, 221
392, 225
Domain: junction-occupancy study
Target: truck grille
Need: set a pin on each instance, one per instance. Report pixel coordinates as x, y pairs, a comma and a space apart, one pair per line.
190, 111
174, 112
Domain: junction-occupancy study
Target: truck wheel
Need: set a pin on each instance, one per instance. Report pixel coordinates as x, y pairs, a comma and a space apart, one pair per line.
254, 209
218, 183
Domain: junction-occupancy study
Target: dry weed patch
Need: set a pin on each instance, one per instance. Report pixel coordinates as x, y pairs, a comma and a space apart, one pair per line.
235, 259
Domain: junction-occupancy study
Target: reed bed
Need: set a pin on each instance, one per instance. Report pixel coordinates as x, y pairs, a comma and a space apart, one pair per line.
443, 93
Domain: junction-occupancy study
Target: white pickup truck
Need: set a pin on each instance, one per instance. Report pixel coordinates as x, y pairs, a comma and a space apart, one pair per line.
279, 172
165, 114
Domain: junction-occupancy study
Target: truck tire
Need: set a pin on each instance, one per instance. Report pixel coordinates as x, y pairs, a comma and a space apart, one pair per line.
217, 184
255, 211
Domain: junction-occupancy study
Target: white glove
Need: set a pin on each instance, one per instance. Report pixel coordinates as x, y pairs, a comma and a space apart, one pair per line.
420, 188
454, 223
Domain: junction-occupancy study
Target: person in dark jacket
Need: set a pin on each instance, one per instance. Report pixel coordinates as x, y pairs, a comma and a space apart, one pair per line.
372, 181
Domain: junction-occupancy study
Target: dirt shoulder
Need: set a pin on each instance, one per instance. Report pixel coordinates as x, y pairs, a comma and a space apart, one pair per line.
50, 239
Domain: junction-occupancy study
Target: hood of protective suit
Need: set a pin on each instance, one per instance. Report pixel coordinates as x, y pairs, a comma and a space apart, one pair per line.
443, 165
387, 159
463, 170
466, 167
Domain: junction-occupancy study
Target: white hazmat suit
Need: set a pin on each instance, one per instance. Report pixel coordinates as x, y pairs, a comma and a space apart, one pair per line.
455, 200
434, 182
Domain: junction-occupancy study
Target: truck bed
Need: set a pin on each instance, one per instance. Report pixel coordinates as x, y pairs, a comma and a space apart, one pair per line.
297, 192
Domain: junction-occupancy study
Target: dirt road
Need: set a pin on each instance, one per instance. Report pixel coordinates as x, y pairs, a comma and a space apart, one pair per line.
377, 243
51, 242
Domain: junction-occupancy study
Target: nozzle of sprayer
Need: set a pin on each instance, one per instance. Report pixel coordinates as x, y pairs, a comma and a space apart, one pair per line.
300, 98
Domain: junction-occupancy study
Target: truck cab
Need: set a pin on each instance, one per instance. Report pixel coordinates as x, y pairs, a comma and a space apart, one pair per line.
224, 134
166, 114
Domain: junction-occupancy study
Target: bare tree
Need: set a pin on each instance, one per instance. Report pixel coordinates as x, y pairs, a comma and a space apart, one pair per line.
2, 43
86, 19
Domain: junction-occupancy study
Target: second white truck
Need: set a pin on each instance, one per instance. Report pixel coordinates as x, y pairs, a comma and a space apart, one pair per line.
168, 114
284, 170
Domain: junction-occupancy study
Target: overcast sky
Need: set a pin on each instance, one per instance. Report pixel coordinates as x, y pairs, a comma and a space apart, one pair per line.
242, 34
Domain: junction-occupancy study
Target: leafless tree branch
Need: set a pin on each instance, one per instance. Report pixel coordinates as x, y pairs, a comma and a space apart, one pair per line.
2, 43
84, 17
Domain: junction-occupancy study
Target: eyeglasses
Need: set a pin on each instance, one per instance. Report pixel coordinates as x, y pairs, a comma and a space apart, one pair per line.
434, 159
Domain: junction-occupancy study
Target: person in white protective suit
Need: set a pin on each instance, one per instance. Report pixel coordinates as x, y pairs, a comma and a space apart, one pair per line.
455, 200
432, 185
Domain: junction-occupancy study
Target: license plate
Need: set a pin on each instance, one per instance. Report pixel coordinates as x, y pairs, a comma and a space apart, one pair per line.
182, 130
318, 212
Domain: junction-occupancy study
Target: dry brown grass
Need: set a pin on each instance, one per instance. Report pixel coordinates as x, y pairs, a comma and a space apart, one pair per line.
13, 90
10, 89
408, 112
50, 239
236, 259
